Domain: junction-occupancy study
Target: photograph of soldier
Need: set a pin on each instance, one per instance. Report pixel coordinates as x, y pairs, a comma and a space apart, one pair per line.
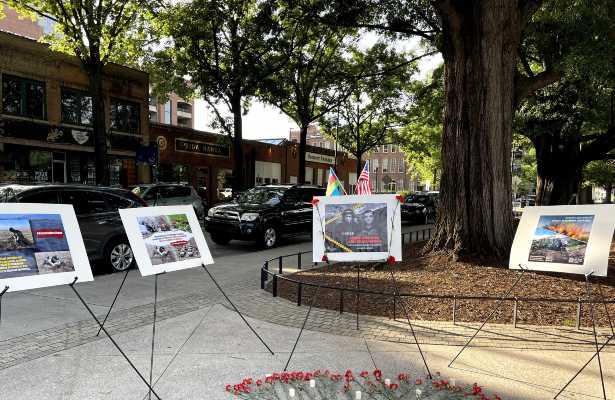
356, 227
33, 244
561, 239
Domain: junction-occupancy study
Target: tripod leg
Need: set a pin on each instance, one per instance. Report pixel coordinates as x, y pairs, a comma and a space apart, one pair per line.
235, 308
497, 306
151, 362
416, 341
307, 315
113, 302
1, 295
72, 285
592, 312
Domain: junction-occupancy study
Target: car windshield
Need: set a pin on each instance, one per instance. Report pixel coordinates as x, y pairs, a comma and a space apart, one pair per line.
139, 190
7, 192
261, 196
413, 198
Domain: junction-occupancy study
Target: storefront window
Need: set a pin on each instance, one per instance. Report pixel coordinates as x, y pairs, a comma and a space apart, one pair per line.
40, 164
224, 180
24, 97
125, 116
76, 107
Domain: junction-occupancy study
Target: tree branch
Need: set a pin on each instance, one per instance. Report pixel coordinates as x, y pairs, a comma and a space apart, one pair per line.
527, 86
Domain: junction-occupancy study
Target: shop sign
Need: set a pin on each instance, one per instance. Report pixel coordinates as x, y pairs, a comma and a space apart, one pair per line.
81, 137
210, 149
320, 158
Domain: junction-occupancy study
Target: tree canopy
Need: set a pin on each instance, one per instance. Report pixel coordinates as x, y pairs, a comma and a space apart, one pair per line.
221, 51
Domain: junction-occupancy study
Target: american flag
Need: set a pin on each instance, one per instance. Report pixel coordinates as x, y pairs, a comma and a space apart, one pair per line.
363, 186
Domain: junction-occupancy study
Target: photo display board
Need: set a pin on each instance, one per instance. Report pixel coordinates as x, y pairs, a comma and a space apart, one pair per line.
357, 228
576, 239
40, 246
165, 238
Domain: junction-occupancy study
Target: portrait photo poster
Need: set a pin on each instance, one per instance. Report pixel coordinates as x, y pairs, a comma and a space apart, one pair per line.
40, 246
165, 238
574, 239
357, 228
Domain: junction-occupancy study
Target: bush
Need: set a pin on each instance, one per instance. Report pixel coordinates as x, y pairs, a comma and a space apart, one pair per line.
329, 385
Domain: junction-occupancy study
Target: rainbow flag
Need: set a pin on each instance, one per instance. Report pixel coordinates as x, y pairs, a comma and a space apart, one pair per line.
334, 186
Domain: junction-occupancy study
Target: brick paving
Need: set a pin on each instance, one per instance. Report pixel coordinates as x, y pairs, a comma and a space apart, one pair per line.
258, 304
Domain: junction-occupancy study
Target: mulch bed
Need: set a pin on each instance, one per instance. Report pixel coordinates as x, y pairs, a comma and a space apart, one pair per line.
439, 275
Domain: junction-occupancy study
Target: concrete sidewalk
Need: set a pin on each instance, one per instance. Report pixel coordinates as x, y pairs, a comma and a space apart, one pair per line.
197, 353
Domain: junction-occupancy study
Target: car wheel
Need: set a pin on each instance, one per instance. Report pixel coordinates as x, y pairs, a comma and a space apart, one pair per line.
269, 237
119, 255
220, 239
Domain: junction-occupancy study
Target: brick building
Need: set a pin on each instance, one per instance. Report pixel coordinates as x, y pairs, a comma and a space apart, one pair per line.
205, 160
389, 171
45, 117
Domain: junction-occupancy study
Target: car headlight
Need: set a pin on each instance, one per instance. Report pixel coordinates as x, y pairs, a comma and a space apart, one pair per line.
211, 212
249, 217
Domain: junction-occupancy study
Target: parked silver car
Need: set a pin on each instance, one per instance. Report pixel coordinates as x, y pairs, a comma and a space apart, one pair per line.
168, 194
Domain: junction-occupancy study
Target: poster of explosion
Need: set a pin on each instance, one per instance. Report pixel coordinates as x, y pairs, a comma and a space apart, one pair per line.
168, 238
356, 227
561, 239
33, 244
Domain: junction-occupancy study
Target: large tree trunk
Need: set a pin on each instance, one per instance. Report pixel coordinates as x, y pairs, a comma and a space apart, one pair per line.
480, 43
238, 173
302, 150
608, 189
558, 170
99, 123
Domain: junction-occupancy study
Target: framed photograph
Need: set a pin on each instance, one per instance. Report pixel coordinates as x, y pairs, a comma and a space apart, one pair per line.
357, 228
574, 239
166, 238
40, 246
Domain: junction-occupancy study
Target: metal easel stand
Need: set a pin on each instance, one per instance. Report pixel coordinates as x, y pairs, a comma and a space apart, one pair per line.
151, 362
72, 286
598, 349
495, 309
236, 310
2, 294
114, 300
416, 341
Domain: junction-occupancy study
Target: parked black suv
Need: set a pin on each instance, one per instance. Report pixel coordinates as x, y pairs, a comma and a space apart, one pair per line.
96, 209
420, 208
264, 213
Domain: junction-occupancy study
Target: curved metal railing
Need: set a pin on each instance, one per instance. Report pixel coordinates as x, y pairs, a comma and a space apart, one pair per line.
277, 263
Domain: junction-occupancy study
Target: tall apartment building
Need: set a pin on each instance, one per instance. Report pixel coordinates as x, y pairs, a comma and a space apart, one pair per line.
175, 111
389, 171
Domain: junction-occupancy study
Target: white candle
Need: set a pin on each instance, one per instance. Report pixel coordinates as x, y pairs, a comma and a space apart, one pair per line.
291, 392
357, 395
312, 383
387, 382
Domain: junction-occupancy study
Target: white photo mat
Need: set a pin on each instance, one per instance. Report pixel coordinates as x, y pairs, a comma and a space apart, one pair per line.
56, 246
392, 236
147, 221
563, 253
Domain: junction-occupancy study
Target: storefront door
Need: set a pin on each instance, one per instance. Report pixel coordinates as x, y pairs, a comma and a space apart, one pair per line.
58, 170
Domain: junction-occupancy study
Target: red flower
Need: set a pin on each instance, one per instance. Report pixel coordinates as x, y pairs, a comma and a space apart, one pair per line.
325, 258
364, 374
391, 260
259, 382
377, 374
400, 198
402, 377
228, 388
